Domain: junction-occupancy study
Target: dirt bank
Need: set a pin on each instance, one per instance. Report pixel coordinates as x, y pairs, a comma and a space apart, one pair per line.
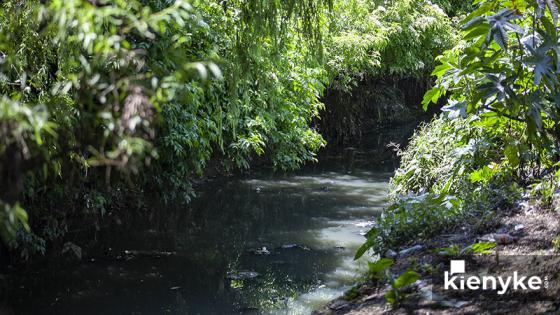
527, 241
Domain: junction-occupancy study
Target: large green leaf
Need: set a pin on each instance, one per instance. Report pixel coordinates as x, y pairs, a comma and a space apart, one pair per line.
376, 268
391, 297
405, 279
500, 25
512, 154
479, 30
455, 109
482, 248
362, 250
432, 96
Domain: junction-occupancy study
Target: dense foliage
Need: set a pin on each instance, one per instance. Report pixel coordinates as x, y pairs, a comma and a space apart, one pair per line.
107, 105
397, 38
95, 92
380, 56
499, 132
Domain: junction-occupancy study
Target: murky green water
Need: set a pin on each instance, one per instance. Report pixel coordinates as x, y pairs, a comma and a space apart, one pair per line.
262, 244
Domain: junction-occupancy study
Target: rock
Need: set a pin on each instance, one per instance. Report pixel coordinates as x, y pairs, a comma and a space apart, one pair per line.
289, 246
390, 253
523, 205
453, 303
454, 238
241, 275
365, 224
527, 207
421, 284
410, 250
502, 230
147, 253
338, 305
292, 246
518, 230
260, 251
498, 238
427, 293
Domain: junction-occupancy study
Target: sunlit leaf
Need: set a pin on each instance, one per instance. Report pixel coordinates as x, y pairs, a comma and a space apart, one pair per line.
482, 247
455, 109
500, 25
406, 279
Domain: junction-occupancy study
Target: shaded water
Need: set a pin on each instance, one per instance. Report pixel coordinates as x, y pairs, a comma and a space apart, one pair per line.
209, 259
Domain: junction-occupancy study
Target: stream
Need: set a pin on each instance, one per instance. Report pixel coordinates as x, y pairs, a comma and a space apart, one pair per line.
263, 243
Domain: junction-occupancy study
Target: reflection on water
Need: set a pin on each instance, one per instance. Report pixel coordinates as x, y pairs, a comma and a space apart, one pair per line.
325, 213
264, 244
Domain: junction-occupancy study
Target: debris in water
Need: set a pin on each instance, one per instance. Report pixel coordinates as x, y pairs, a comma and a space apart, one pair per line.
147, 253
291, 246
410, 250
260, 251
241, 275
340, 248
365, 224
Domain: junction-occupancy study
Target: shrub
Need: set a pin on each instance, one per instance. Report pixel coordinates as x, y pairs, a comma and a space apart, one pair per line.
450, 172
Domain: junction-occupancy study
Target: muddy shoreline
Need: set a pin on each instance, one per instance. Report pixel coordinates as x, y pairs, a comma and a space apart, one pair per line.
533, 230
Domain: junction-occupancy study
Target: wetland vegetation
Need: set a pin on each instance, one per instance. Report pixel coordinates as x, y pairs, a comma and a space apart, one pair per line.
250, 156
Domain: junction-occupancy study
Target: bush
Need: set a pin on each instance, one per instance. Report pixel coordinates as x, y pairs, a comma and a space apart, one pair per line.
134, 96
450, 173
401, 38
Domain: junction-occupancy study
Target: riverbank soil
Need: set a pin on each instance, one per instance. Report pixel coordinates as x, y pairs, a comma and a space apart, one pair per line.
527, 241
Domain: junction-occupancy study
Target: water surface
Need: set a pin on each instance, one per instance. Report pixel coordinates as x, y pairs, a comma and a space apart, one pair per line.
260, 244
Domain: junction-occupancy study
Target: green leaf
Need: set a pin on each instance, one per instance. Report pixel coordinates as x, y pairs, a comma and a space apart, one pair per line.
482, 175
21, 214
391, 297
432, 96
534, 115
500, 26
407, 278
361, 251
376, 268
549, 26
474, 17
512, 154
473, 23
477, 32
483, 247
441, 69
542, 65
452, 250
553, 10
455, 109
